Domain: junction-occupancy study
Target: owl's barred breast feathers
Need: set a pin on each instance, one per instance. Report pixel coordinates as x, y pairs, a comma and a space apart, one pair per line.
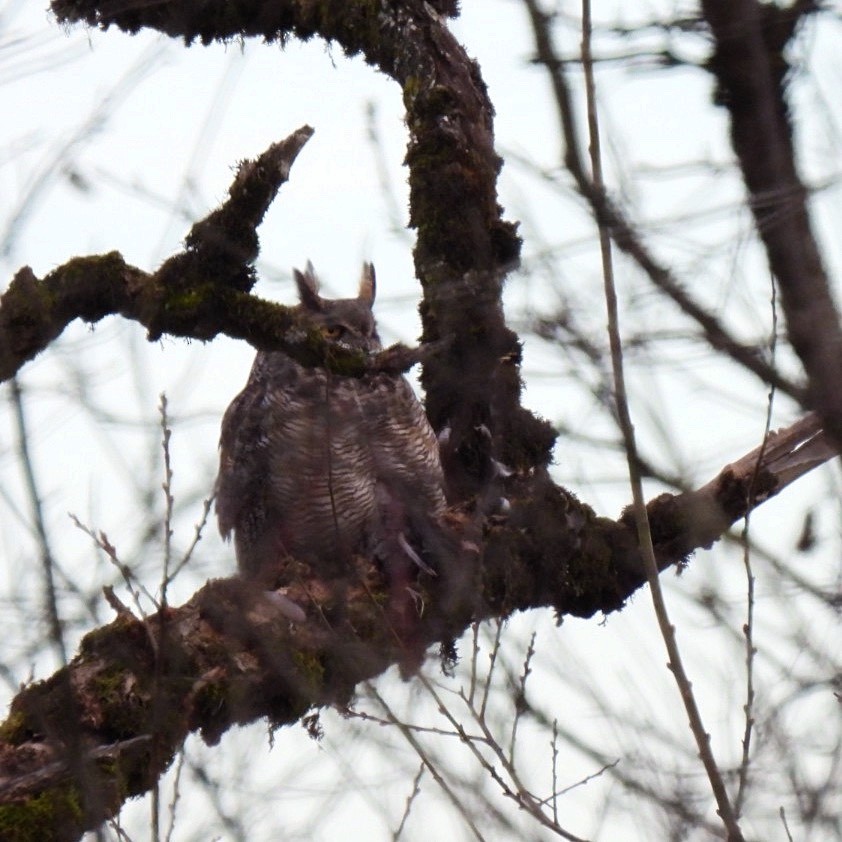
319, 466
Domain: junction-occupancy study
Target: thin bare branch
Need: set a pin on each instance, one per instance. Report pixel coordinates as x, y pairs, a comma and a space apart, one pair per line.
748, 627
427, 763
410, 800
47, 559
644, 533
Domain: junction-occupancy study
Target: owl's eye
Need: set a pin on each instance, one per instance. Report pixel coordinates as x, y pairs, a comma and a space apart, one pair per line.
332, 331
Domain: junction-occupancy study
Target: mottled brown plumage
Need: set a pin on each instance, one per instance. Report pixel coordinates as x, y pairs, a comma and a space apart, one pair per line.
320, 467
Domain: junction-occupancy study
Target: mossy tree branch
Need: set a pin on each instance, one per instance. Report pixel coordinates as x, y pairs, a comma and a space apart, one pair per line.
230, 657
199, 293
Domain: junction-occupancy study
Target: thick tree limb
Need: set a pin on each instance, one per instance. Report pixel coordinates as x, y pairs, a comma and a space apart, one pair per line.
229, 656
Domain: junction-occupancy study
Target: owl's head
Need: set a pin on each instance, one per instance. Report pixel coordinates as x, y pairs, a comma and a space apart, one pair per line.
346, 321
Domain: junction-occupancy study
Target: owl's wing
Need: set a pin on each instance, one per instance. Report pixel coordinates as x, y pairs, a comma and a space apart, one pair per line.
243, 444
410, 484
405, 447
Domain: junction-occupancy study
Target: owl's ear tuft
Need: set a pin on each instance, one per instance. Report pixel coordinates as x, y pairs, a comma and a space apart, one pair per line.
368, 285
308, 287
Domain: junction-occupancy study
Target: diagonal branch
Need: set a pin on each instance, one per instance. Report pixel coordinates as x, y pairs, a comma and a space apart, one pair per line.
623, 232
750, 67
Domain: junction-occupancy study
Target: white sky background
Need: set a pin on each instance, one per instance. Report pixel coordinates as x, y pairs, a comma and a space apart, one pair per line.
160, 153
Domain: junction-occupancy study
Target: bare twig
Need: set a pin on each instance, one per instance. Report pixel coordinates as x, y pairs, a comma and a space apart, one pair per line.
134, 587
675, 803
748, 628
554, 747
516, 791
410, 800
520, 695
641, 518
782, 814
176, 795
198, 529
166, 435
587, 779
427, 762
47, 563
492, 661
475, 651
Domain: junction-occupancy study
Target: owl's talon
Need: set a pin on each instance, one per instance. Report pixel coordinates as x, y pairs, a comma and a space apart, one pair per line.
405, 546
501, 470
418, 600
291, 610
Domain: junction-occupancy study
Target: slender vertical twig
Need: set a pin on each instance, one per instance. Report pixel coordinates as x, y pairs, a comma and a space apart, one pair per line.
748, 628
520, 697
166, 434
492, 661
410, 800
47, 564
198, 529
176, 795
725, 809
782, 814
554, 747
475, 650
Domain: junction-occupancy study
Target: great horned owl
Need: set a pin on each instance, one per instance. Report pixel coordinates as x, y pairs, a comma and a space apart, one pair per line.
319, 466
